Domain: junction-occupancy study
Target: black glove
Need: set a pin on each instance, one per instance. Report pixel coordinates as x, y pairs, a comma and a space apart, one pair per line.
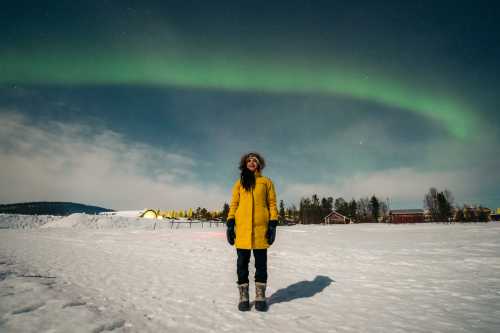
271, 231
230, 234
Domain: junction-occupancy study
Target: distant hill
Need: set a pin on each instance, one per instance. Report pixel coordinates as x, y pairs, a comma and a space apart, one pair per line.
50, 208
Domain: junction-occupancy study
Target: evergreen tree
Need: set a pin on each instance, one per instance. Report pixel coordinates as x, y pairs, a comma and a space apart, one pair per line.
352, 208
225, 211
294, 213
482, 215
306, 211
341, 206
315, 209
282, 211
301, 211
197, 213
204, 214
326, 206
375, 207
444, 207
310, 210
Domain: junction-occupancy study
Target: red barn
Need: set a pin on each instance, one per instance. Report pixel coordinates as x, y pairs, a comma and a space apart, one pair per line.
406, 216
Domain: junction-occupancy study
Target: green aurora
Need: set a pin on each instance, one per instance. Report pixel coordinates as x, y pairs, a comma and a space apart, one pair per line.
233, 72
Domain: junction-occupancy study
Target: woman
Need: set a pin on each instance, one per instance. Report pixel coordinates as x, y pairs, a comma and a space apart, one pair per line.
251, 226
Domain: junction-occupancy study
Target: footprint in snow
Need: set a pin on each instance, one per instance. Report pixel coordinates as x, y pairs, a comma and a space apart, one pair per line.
28, 308
73, 303
109, 327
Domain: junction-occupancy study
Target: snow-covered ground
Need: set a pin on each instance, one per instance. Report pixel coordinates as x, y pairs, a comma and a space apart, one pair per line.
87, 273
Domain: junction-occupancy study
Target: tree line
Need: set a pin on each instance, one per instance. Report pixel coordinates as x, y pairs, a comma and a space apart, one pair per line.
441, 207
314, 210
50, 208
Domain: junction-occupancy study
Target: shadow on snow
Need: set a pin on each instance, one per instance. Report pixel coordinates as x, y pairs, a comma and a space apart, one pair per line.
300, 289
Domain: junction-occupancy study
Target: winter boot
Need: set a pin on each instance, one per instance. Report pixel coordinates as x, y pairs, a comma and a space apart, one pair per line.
244, 304
260, 296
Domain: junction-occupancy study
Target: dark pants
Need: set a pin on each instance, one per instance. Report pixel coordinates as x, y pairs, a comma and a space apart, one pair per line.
260, 257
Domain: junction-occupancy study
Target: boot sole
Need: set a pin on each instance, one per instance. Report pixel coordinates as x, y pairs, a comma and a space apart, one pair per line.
244, 307
261, 307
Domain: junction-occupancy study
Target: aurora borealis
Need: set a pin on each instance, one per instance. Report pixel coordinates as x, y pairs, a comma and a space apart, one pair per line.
123, 68
402, 85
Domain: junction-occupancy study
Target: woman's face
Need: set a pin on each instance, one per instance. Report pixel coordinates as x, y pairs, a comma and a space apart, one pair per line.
252, 164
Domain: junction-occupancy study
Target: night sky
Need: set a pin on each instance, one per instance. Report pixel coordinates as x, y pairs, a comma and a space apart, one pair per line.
128, 104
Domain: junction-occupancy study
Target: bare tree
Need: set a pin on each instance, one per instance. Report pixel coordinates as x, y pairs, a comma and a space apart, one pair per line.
431, 203
449, 197
363, 213
439, 204
384, 209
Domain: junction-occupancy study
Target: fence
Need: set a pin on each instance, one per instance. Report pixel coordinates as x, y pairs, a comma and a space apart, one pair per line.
199, 222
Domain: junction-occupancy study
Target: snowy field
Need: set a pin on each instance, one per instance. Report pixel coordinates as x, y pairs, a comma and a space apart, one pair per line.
87, 273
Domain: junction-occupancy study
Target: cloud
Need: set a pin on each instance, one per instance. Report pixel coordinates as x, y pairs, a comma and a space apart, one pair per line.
73, 162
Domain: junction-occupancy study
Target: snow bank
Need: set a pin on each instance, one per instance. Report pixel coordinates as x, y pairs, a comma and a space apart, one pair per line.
79, 220
18, 221
85, 221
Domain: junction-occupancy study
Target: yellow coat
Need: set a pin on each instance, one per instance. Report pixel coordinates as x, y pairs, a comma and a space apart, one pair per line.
252, 211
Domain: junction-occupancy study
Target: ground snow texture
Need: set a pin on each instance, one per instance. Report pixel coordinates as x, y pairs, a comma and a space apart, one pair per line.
87, 273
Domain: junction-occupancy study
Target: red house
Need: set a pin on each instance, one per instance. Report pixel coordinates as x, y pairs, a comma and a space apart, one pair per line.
335, 217
406, 216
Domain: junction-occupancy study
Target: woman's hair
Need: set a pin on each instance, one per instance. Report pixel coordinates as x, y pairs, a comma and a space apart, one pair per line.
247, 177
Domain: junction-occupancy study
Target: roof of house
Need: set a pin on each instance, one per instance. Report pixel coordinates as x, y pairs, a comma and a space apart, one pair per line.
334, 212
406, 211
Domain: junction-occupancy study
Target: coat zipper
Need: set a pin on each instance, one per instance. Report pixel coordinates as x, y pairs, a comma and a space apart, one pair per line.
252, 218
